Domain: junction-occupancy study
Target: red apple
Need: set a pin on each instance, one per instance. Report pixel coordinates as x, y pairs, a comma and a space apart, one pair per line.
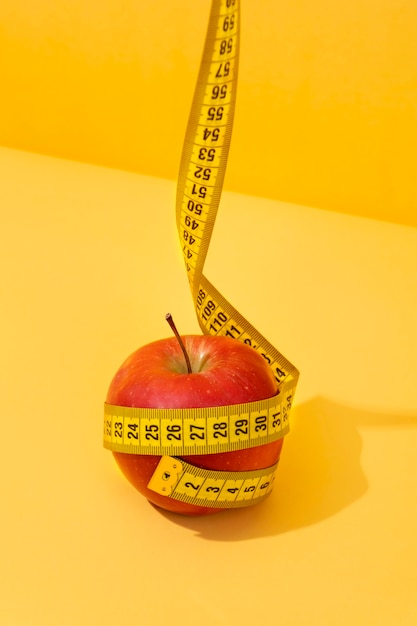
224, 371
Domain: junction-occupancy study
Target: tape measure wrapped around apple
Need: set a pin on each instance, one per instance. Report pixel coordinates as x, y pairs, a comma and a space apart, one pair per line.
222, 406
197, 423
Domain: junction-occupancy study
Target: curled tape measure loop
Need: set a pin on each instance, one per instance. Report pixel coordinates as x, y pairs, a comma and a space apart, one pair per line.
200, 182
179, 480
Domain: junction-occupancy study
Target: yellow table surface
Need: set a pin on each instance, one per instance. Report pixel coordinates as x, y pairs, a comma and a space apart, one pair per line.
90, 264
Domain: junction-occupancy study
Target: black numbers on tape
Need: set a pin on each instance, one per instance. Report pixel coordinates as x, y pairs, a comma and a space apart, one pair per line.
228, 23
219, 321
194, 207
277, 420
207, 154
209, 308
223, 71
191, 223
187, 252
188, 237
190, 485
118, 429
151, 432
174, 432
280, 373
241, 427
201, 192
201, 297
285, 415
220, 430
203, 173
132, 431
219, 92
215, 114
226, 46
233, 332
197, 432
212, 134
260, 423
286, 409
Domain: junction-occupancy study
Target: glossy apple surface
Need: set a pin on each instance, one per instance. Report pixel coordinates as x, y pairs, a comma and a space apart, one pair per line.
224, 371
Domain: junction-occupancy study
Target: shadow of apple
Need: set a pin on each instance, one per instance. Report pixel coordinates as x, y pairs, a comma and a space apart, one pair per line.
319, 475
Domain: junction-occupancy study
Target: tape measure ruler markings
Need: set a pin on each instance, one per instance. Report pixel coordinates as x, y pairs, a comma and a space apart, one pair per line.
170, 432
201, 179
208, 135
196, 431
179, 480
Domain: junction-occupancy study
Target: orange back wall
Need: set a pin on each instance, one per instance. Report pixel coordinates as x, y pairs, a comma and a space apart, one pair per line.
327, 101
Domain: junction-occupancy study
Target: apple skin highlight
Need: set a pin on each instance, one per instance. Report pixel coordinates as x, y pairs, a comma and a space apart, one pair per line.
224, 371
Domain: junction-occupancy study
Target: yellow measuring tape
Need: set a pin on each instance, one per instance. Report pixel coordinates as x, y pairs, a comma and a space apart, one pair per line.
196, 431
200, 183
179, 480
220, 429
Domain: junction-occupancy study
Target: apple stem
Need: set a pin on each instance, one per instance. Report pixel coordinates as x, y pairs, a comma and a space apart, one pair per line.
170, 321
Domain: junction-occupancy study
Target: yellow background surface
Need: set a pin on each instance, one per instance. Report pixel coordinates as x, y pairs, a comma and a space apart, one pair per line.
90, 264
326, 112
